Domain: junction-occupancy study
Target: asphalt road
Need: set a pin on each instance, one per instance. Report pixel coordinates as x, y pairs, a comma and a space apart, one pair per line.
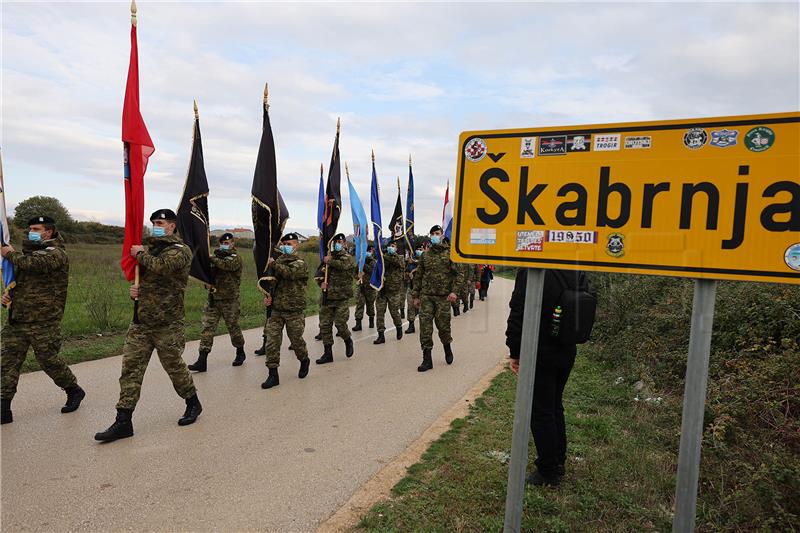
276, 460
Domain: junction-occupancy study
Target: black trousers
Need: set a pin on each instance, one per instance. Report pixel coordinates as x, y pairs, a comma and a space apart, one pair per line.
553, 366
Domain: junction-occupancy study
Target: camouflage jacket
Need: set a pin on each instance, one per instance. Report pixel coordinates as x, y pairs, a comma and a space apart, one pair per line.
288, 278
42, 275
393, 272
369, 266
162, 280
469, 273
340, 276
411, 266
227, 274
436, 274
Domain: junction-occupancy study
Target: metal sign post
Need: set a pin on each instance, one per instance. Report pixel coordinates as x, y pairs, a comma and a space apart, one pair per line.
694, 399
515, 493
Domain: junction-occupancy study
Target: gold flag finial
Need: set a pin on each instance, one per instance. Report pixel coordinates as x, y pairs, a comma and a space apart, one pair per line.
133, 12
338, 125
347, 171
320, 169
266, 96
196, 112
373, 156
398, 184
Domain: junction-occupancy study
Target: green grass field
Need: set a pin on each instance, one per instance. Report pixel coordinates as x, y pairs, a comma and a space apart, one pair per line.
99, 309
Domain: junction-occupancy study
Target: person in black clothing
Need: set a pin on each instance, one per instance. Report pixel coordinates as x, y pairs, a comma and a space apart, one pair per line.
486, 277
554, 363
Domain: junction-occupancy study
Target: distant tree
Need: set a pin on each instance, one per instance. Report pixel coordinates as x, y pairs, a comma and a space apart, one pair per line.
42, 205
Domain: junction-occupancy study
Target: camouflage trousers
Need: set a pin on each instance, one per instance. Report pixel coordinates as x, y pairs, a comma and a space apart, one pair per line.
227, 310
295, 324
411, 309
334, 312
45, 338
266, 322
140, 342
471, 290
392, 300
365, 297
434, 309
463, 294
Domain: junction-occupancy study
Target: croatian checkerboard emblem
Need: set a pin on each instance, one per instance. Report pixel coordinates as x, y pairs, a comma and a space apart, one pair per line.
475, 149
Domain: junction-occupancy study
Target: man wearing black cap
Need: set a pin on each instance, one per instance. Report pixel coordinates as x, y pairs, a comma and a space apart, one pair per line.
287, 280
366, 294
223, 302
40, 294
338, 289
164, 271
436, 280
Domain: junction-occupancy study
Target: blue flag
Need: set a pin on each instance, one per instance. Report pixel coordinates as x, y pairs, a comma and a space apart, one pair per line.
321, 214
5, 237
360, 228
375, 213
410, 210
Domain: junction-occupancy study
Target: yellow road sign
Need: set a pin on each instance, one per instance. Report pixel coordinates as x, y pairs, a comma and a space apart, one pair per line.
711, 198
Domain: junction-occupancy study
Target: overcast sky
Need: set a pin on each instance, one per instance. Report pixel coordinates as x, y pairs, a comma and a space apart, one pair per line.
404, 78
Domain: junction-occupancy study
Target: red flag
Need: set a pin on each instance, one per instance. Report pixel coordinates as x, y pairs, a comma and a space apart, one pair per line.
138, 148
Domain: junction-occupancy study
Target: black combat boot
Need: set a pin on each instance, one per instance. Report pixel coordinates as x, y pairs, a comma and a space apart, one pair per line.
263, 349
466, 306
411, 328
193, 410
327, 357
200, 364
240, 357
304, 368
318, 336
537, 479
400, 332
120, 429
6, 417
357, 327
471, 300
371, 322
456, 311
348, 347
427, 362
273, 380
380, 340
291, 348
448, 354
75, 396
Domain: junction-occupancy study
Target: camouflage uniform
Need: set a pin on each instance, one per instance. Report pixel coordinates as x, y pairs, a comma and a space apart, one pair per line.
223, 302
411, 310
366, 294
435, 278
463, 292
391, 295
473, 275
42, 276
164, 271
287, 278
336, 310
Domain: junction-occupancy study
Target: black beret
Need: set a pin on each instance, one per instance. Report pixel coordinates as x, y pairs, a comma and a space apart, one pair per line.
420, 246
290, 237
43, 219
435, 228
339, 237
226, 237
164, 214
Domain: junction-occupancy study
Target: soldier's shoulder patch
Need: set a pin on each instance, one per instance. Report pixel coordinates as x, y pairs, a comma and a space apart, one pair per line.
50, 248
178, 245
41, 252
233, 255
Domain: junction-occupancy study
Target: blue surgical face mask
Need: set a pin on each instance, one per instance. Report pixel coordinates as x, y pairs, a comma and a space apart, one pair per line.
224, 246
418, 253
337, 247
34, 236
369, 254
392, 250
159, 231
287, 249
436, 239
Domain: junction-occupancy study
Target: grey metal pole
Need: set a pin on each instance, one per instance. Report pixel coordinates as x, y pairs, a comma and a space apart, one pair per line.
515, 493
694, 399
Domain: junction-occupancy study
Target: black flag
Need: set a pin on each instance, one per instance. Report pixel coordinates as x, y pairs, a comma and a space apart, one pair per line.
396, 229
333, 195
193, 211
269, 210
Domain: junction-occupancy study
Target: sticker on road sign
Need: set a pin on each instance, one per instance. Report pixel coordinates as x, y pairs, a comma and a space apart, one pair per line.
482, 236
569, 236
695, 138
724, 138
792, 257
638, 142
475, 150
555, 145
616, 245
606, 143
579, 143
527, 147
759, 139
530, 241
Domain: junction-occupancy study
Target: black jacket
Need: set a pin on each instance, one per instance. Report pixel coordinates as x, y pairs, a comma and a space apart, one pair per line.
550, 295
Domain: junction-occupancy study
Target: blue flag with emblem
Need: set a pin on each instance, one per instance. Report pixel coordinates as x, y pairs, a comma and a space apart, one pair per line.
321, 214
376, 282
5, 237
360, 227
410, 209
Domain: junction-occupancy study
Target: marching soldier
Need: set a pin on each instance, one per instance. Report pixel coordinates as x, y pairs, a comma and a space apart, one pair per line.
339, 288
287, 277
366, 294
463, 294
435, 282
411, 266
158, 324
223, 302
391, 295
34, 318
474, 275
